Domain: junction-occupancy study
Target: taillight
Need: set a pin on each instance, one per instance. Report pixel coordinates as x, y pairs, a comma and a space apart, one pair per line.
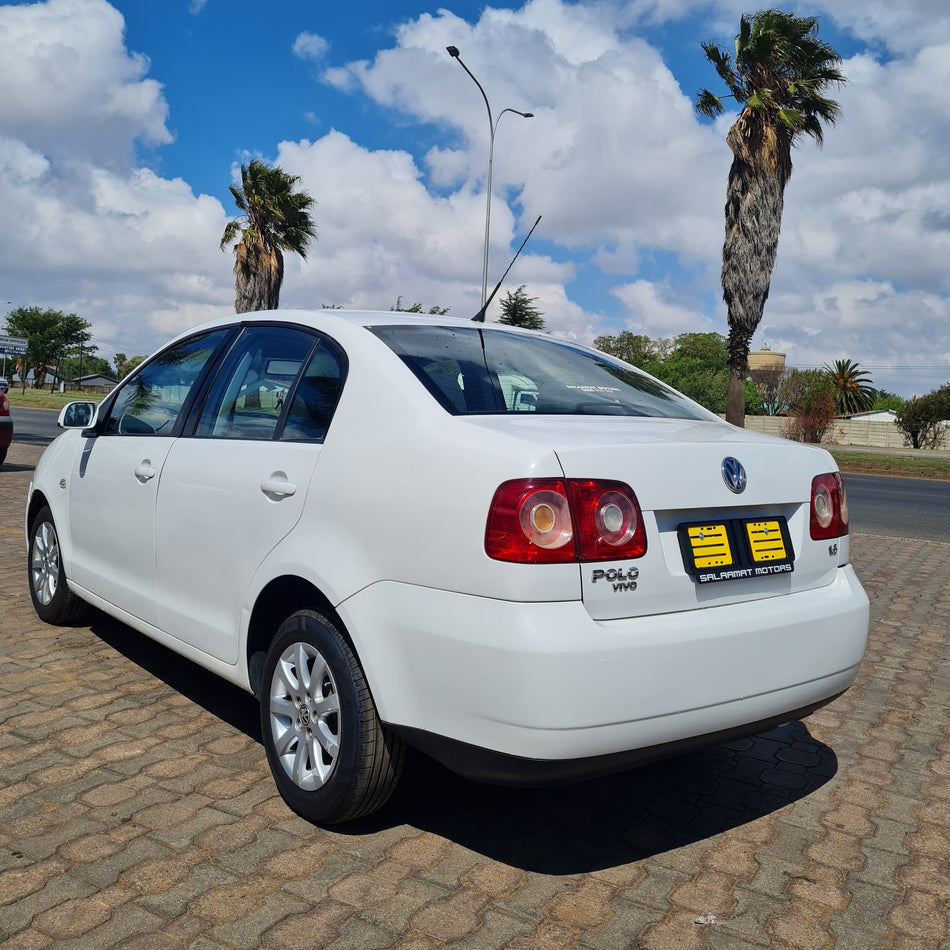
4, 405
829, 507
554, 520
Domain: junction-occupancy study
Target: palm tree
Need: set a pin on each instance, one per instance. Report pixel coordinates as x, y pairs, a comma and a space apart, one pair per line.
778, 75
274, 218
853, 391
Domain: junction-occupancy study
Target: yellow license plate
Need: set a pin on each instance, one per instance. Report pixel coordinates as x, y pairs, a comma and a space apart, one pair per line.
710, 546
736, 549
765, 541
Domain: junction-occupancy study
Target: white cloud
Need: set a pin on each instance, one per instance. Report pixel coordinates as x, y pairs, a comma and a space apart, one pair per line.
69, 86
311, 46
630, 183
659, 311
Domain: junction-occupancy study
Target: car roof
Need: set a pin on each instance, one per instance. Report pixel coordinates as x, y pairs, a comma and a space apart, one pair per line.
325, 319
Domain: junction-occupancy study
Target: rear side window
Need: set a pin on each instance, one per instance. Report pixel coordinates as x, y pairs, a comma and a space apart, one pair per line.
472, 370
278, 382
247, 399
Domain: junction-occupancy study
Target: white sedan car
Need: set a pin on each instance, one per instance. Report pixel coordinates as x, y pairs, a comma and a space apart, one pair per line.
526, 558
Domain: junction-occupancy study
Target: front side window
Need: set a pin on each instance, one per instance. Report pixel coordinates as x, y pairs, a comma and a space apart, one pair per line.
150, 403
470, 370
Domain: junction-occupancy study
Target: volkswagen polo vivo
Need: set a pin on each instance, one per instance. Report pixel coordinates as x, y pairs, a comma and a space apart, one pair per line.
527, 559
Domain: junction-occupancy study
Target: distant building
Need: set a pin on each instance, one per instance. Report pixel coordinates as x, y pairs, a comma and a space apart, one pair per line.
765, 369
873, 415
51, 377
764, 361
94, 383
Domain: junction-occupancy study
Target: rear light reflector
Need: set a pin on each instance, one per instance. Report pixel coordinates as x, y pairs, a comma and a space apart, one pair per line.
553, 520
829, 507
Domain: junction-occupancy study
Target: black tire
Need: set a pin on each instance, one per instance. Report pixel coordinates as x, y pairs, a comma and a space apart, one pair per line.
52, 599
3, 455
331, 757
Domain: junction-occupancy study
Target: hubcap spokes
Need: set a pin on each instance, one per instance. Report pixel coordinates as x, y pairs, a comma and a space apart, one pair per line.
44, 563
305, 716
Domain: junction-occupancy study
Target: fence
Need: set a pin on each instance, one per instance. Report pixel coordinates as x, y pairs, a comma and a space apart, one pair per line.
883, 435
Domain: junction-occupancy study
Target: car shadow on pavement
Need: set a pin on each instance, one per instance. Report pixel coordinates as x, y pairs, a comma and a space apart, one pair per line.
572, 829
9, 467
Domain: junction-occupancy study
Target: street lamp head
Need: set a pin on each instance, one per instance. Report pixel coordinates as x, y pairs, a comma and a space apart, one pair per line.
528, 115
453, 51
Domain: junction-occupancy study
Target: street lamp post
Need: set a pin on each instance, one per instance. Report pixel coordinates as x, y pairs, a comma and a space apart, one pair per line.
492, 128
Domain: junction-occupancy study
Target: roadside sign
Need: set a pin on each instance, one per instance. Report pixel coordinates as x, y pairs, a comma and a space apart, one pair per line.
13, 345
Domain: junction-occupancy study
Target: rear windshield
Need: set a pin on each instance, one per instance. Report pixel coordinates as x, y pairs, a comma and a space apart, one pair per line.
471, 370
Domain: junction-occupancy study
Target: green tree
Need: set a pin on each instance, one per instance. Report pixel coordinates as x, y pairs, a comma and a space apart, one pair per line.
51, 335
886, 400
921, 418
398, 307
852, 387
518, 310
778, 76
75, 365
274, 218
633, 348
124, 365
698, 366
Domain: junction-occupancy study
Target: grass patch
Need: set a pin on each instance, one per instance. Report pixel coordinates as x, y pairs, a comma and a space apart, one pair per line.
903, 466
37, 399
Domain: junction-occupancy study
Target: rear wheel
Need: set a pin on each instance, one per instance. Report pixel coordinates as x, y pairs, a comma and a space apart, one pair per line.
331, 757
52, 599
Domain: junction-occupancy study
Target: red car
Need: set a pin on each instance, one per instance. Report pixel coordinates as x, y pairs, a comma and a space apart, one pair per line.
6, 426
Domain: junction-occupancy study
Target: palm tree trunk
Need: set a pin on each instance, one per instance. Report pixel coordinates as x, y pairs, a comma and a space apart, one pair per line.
258, 276
754, 201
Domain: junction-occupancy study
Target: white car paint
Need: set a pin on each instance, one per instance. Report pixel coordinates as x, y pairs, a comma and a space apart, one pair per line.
386, 520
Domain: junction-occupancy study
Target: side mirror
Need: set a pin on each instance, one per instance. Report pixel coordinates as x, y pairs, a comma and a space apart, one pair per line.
77, 415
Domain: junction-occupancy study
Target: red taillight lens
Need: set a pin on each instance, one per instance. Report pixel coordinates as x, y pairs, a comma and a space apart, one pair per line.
553, 520
529, 522
4, 405
829, 507
609, 521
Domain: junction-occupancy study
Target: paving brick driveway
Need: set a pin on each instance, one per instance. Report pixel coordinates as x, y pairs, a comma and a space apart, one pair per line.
136, 810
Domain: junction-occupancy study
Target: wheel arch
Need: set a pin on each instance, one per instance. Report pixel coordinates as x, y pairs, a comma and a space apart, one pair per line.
37, 501
275, 603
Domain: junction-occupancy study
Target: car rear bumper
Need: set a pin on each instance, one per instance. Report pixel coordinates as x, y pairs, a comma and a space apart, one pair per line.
543, 681
6, 431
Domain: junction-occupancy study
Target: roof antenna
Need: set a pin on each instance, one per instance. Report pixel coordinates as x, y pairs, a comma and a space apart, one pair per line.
480, 316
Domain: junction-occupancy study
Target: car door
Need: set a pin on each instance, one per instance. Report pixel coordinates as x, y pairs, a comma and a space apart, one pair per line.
114, 486
231, 492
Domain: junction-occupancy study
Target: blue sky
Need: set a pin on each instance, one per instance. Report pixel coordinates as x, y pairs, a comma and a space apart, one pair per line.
122, 124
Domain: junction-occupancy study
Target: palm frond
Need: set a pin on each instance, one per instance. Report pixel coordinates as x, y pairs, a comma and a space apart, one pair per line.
708, 104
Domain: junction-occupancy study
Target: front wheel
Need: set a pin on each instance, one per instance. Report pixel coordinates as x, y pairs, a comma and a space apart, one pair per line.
52, 599
331, 757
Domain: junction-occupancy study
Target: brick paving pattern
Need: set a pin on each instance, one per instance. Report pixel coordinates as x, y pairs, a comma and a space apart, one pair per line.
137, 811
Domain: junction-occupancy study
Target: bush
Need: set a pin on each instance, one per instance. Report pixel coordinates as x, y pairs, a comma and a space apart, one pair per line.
809, 396
920, 419
811, 423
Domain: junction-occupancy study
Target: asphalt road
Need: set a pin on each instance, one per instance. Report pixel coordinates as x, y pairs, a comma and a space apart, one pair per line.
34, 426
899, 507
885, 506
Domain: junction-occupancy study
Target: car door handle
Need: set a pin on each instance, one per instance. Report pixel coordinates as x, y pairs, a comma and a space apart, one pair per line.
144, 471
277, 484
